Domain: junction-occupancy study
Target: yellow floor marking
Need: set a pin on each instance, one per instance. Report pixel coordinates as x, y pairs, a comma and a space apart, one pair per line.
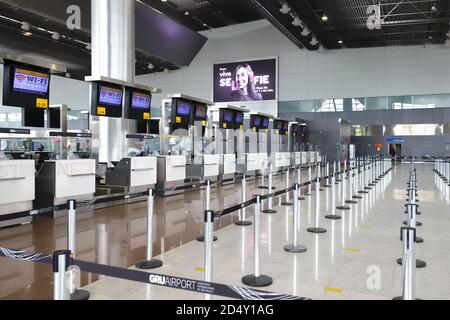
352, 249
333, 290
200, 269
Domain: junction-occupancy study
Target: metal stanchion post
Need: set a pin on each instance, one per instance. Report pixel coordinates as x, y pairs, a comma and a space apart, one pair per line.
343, 206
75, 294
358, 181
327, 173
319, 174
339, 174
243, 222
149, 263
60, 264
208, 248
295, 247
270, 209
333, 214
257, 279
299, 178
408, 236
316, 228
286, 202
345, 170
207, 207
309, 179
350, 200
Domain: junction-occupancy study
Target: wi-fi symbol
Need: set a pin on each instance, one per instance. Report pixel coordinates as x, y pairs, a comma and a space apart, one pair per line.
104, 93
20, 77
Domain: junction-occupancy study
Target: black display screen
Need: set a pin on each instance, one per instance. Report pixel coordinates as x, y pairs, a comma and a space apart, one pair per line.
183, 108
256, 121
228, 116
33, 118
154, 126
200, 112
54, 118
239, 118
265, 123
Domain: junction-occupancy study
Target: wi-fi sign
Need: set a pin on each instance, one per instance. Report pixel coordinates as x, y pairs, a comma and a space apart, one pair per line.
20, 77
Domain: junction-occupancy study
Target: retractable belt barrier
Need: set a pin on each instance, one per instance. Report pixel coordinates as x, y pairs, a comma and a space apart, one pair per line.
186, 284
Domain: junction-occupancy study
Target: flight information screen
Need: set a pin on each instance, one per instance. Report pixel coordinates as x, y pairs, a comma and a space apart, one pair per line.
110, 96
27, 81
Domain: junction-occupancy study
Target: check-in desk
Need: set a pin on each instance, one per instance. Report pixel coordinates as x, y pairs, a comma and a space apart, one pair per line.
17, 185
227, 167
305, 158
205, 167
171, 174
136, 174
248, 163
296, 159
281, 160
312, 157
61, 180
262, 158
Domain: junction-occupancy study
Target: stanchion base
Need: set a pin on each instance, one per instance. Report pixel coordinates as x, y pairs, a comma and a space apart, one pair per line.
333, 217
294, 249
351, 201
309, 194
261, 281
419, 240
317, 230
152, 264
338, 180
80, 295
270, 211
368, 188
357, 197
363, 192
343, 208
263, 187
378, 179
372, 185
419, 263
401, 298
327, 186
301, 198
321, 189
243, 223
202, 238
418, 223
286, 203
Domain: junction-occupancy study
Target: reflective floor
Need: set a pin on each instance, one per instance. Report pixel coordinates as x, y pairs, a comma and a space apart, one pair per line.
354, 259
115, 236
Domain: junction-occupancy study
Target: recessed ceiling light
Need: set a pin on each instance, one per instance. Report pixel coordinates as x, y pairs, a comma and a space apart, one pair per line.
25, 26
151, 66
205, 25
314, 41
55, 36
340, 41
305, 31
297, 22
285, 9
434, 7
186, 13
324, 17
28, 34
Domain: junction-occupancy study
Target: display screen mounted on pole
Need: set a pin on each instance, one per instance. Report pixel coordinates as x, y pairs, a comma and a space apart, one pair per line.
253, 80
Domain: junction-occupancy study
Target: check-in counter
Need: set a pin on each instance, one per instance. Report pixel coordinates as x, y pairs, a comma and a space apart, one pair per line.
136, 173
17, 185
248, 163
312, 157
296, 159
318, 157
204, 167
171, 174
282, 160
305, 158
61, 180
227, 165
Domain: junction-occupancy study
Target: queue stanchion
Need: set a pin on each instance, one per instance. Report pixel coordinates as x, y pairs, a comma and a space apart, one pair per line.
309, 193
335, 172
299, 181
363, 179
333, 215
73, 274
350, 200
317, 228
207, 207
371, 176
270, 209
208, 247
263, 186
343, 205
411, 209
295, 247
357, 181
149, 263
345, 170
243, 222
287, 202
418, 263
408, 236
61, 260
327, 174
319, 173
339, 173
257, 279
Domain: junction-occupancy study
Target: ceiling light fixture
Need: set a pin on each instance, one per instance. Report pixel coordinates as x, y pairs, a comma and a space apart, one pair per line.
186, 13
297, 22
305, 31
285, 9
25, 26
55, 36
340, 41
28, 34
434, 7
88, 46
314, 41
324, 17
150, 66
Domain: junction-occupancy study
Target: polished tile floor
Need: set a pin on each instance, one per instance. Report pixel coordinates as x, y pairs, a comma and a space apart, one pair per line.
115, 236
354, 259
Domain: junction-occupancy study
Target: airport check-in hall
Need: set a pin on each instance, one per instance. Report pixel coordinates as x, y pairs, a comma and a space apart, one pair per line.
224, 150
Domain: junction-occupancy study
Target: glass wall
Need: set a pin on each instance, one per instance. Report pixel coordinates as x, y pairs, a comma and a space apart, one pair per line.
367, 103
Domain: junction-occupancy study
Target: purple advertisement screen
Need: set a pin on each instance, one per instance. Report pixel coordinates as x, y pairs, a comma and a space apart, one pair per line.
245, 81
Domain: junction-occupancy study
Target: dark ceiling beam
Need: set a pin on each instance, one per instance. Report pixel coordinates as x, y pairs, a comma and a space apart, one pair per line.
306, 13
270, 9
